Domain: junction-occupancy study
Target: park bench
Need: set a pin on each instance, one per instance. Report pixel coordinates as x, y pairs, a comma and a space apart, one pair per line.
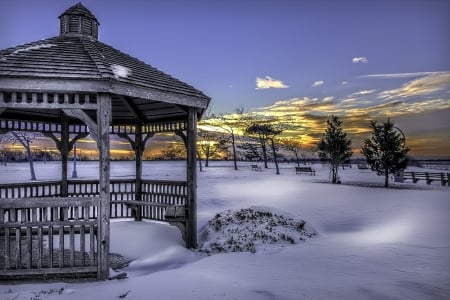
299, 170
427, 177
363, 166
255, 167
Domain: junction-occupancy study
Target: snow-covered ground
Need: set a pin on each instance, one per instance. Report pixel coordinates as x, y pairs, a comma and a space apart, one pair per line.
371, 242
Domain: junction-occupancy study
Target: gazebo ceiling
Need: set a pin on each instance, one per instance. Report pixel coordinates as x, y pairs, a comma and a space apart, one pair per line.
76, 62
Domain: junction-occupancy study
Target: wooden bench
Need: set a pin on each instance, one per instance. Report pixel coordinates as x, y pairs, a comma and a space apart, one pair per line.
427, 177
176, 215
299, 170
255, 167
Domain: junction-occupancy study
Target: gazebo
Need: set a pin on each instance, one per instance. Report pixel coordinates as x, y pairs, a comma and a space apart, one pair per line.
67, 87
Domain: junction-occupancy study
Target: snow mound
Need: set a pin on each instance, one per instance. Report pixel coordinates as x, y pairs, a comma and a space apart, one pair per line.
252, 229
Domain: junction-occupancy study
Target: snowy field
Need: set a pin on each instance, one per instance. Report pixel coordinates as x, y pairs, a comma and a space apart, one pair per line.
371, 242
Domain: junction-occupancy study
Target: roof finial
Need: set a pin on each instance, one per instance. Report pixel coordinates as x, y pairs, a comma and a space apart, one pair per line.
78, 20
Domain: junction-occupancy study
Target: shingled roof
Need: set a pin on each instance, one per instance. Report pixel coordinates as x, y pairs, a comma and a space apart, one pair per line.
76, 55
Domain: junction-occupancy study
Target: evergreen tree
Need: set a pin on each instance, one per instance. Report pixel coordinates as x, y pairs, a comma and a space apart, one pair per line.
385, 151
334, 147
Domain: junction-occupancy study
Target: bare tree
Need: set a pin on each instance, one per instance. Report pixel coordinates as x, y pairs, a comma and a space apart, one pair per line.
208, 144
25, 139
268, 129
233, 124
293, 145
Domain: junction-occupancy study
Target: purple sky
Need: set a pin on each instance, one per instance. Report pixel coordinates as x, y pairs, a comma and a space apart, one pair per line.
315, 58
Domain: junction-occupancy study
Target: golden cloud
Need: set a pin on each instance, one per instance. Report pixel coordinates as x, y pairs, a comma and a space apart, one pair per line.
421, 86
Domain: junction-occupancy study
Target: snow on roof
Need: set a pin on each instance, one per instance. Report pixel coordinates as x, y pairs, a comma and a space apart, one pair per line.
34, 47
120, 71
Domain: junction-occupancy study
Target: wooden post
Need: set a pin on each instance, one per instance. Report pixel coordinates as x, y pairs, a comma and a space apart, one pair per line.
191, 226
138, 152
64, 153
103, 122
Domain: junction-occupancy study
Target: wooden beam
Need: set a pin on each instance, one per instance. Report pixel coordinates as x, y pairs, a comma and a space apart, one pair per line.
103, 120
182, 135
79, 136
62, 85
133, 109
191, 226
126, 137
159, 95
82, 116
80, 85
146, 138
64, 149
53, 137
138, 152
57, 142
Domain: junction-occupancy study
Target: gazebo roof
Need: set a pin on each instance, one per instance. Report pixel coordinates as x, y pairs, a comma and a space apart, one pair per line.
76, 61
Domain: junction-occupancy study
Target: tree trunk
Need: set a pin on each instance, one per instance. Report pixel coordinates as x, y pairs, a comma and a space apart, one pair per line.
207, 156
296, 158
199, 162
275, 157
234, 151
386, 178
263, 147
26, 144
334, 172
30, 160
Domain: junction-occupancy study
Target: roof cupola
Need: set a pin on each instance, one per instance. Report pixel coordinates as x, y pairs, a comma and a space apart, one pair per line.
78, 20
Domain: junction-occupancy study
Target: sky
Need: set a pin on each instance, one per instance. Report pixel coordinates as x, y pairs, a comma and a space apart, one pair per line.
299, 60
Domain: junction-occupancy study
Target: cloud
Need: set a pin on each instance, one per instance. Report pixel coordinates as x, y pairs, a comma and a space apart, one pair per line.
364, 92
318, 83
403, 75
362, 59
344, 82
422, 86
269, 83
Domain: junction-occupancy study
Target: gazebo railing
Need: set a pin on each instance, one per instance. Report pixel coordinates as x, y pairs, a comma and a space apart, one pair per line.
30, 189
151, 204
43, 232
38, 236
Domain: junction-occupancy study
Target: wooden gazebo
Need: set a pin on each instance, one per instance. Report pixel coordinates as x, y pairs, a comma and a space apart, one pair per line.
67, 87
